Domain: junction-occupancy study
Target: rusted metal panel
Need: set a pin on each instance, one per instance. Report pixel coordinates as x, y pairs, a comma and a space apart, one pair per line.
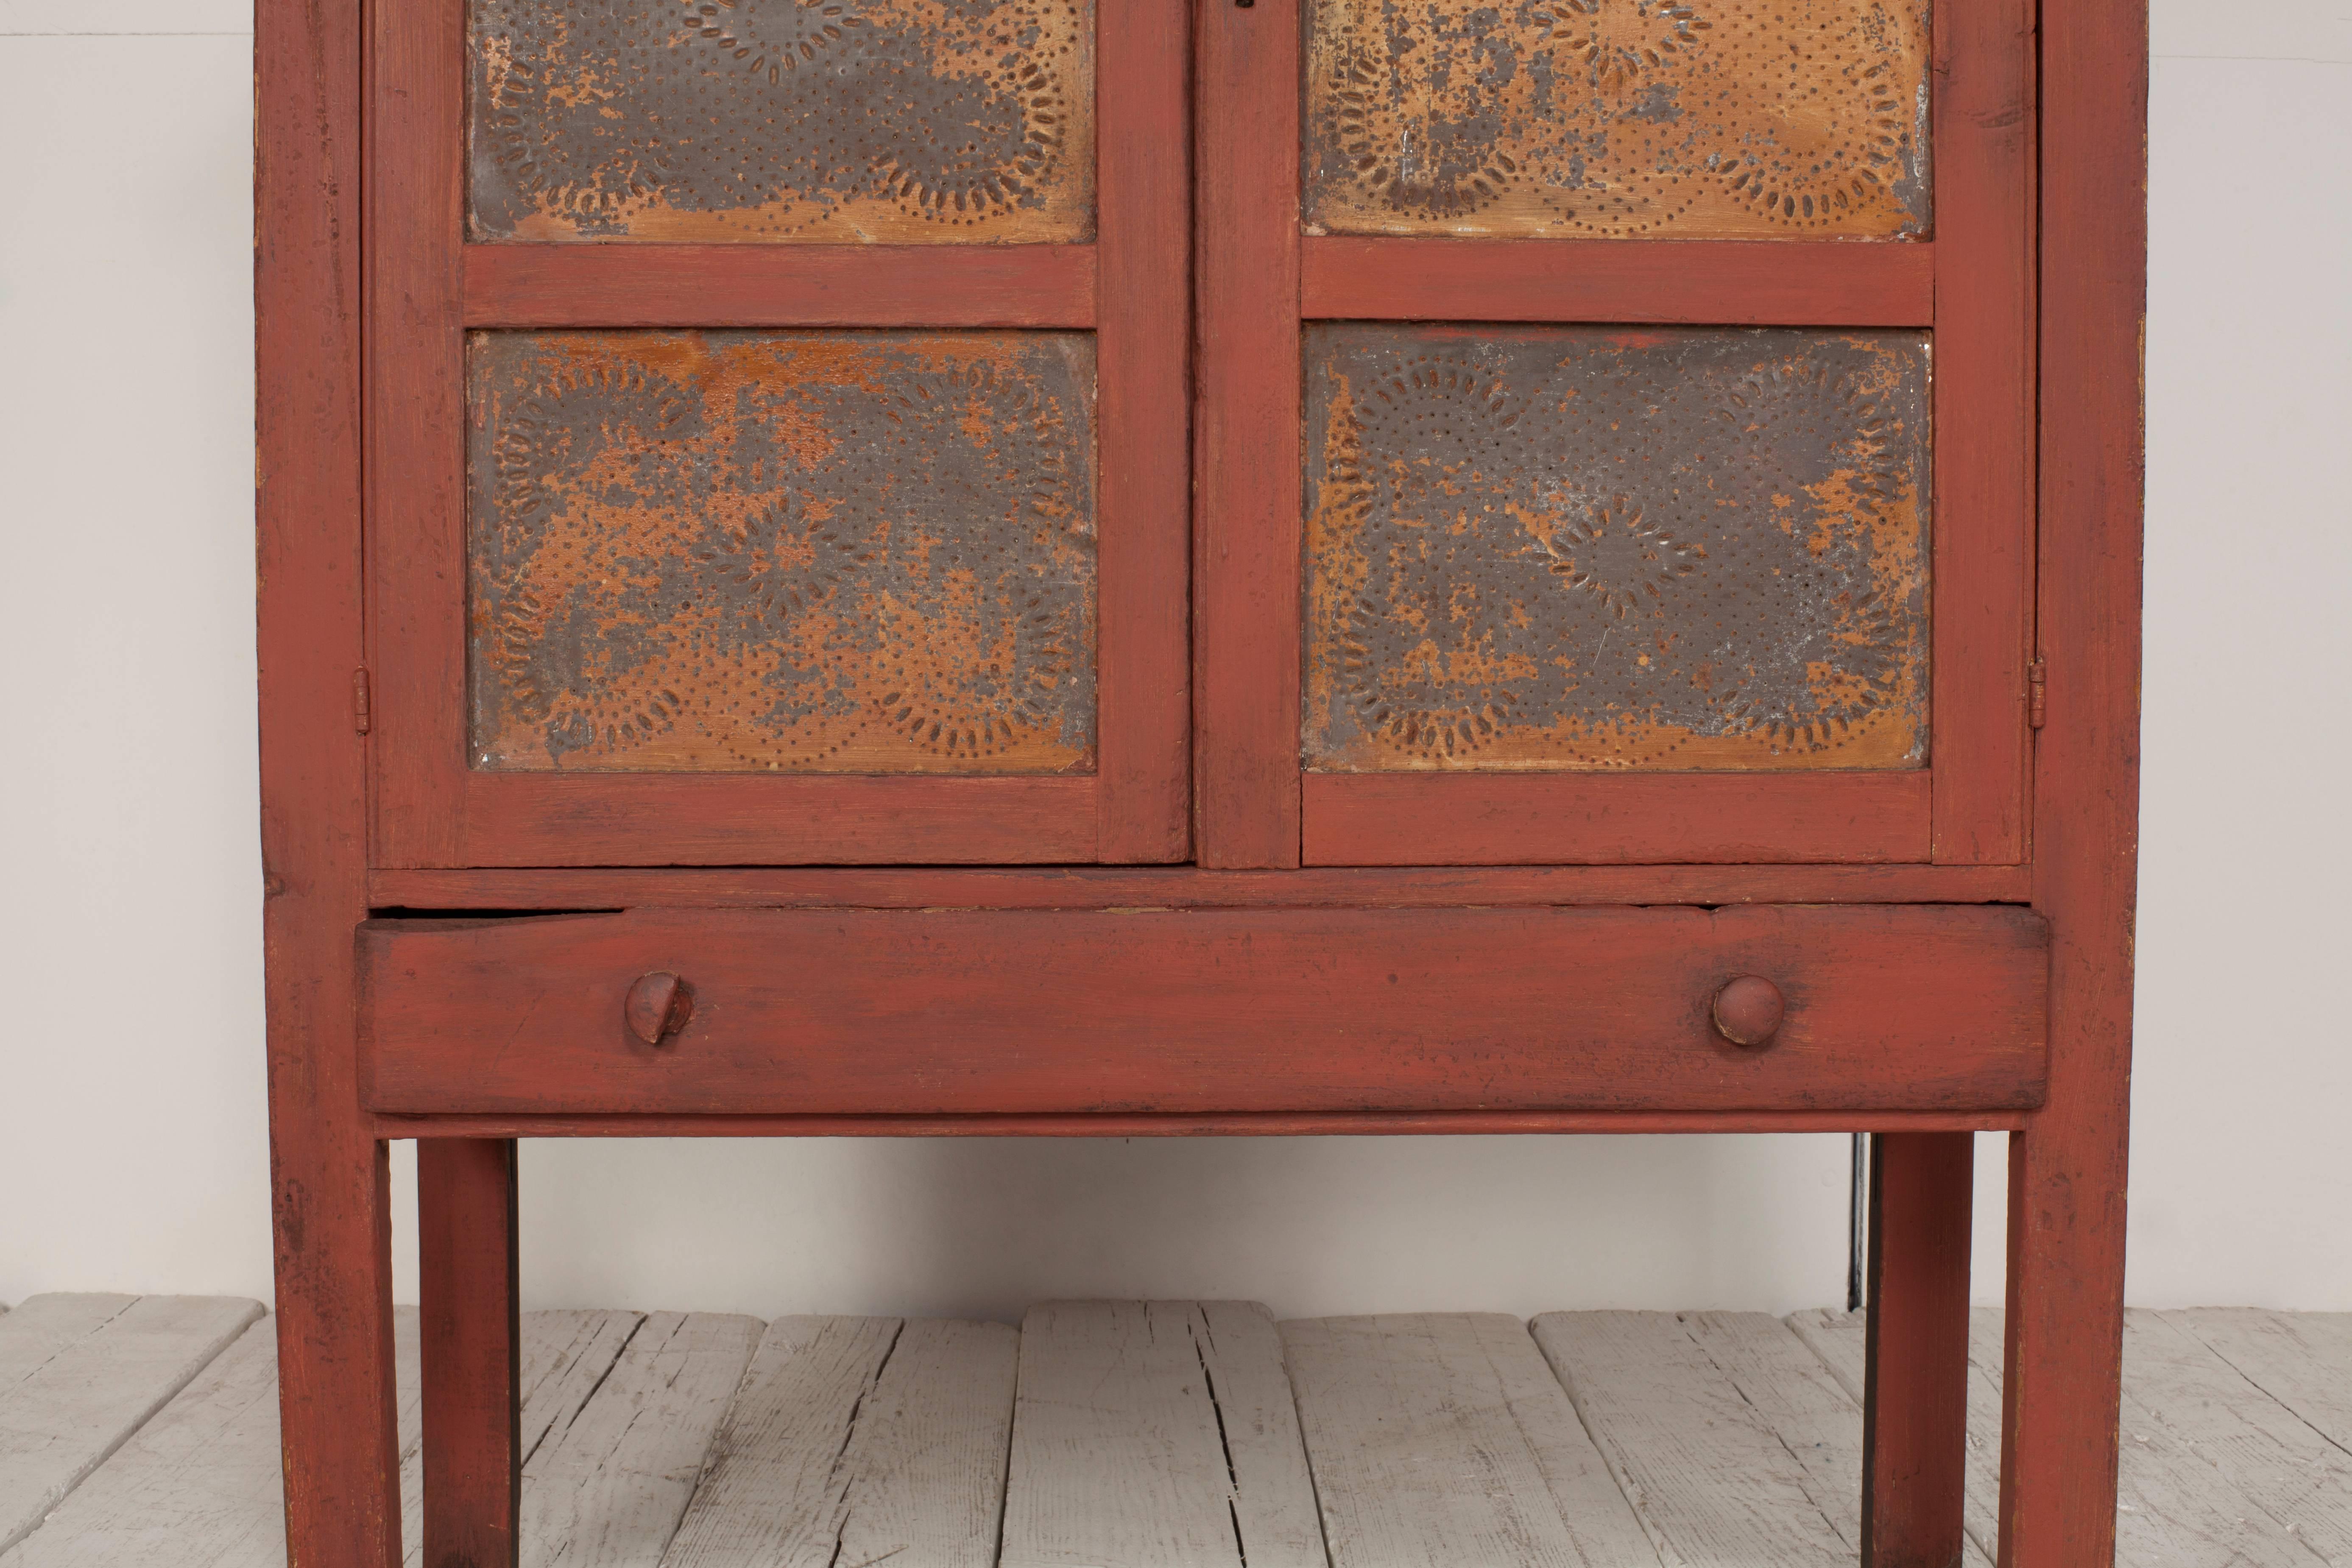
1618, 119
860, 551
1588, 548
828, 121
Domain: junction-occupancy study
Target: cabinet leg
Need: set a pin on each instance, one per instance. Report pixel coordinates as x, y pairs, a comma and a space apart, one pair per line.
2063, 1386
1914, 1421
338, 1412
471, 1345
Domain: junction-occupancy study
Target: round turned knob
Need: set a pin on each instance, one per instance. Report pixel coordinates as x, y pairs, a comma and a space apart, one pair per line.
659, 1004
1748, 1010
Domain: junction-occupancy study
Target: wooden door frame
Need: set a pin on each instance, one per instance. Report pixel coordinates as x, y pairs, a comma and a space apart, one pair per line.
428, 287
329, 1183
1259, 281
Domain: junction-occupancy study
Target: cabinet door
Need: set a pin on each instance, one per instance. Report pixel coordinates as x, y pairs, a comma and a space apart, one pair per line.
1614, 431
777, 431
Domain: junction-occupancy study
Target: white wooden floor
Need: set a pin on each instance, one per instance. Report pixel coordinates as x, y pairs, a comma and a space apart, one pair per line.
1161, 1434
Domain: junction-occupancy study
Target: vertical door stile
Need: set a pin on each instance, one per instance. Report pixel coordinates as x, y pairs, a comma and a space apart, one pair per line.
1144, 330
1983, 106
1247, 521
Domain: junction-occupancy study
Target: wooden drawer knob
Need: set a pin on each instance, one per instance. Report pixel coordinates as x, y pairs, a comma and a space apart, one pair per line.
659, 1004
1748, 1010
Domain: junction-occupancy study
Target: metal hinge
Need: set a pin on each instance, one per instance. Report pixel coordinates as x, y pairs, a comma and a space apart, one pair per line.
362, 714
2037, 693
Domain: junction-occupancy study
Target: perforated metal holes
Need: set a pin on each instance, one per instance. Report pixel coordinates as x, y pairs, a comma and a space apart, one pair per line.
834, 121
1584, 548
1617, 119
817, 552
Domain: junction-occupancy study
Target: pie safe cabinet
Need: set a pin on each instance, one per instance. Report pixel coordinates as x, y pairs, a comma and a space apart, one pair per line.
1240, 566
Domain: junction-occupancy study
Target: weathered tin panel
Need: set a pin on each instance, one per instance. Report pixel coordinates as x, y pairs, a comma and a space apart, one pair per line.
1586, 548
1618, 119
856, 551
831, 121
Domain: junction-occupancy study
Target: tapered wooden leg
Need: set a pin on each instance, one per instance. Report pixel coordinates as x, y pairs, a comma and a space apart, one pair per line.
1914, 1420
471, 1347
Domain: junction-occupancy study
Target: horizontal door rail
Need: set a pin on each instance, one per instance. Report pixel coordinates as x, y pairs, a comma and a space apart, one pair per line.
1603, 819
579, 285
1821, 283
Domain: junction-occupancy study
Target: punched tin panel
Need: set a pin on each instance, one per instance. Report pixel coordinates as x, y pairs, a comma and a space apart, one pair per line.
1618, 119
834, 121
1590, 548
829, 551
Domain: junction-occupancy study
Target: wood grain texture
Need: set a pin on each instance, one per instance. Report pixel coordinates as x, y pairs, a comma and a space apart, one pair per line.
2210, 1474
859, 1440
328, 1180
1984, 116
469, 1285
564, 1355
1245, 498
199, 1485
43, 1327
1155, 1434
2303, 1359
842, 1012
1816, 1417
608, 1483
2280, 1473
1915, 1423
200, 1480
1471, 819
1275, 1125
1442, 1439
780, 286
1711, 1481
1144, 344
1841, 1340
2175, 1507
650, 820
2068, 1172
76, 1396
1187, 888
1761, 283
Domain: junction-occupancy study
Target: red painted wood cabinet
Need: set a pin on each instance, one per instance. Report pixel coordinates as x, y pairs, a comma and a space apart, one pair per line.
1074, 566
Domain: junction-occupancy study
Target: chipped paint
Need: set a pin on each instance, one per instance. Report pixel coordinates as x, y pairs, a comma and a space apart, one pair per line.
910, 121
1618, 119
862, 551
1545, 548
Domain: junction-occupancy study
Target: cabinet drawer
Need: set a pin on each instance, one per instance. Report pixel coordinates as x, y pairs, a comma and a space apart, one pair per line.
866, 1012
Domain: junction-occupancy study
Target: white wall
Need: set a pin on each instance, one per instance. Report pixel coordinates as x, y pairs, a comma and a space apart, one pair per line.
131, 1151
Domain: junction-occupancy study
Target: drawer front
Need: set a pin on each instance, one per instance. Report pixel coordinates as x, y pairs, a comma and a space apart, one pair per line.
946, 1011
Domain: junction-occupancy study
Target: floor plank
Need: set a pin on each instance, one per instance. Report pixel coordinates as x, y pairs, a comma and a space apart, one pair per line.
2177, 1507
854, 1440
197, 1487
1840, 1340
75, 1398
1711, 1481
607, 1483
2303, 1359
42, 1326
1443, 1440
2268, 1455
1155, 1434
